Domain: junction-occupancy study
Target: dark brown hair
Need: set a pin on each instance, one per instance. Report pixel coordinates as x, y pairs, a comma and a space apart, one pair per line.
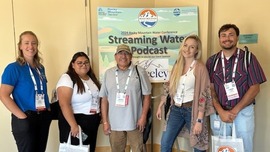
75, 77
226, 27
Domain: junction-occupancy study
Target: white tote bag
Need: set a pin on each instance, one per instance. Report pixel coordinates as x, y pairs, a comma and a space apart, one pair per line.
227, 143
67, 147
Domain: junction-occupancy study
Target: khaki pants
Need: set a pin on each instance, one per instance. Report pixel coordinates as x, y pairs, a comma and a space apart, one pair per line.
118, 140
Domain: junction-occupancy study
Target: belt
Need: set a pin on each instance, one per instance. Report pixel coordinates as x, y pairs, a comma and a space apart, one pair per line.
30, 112
184, 105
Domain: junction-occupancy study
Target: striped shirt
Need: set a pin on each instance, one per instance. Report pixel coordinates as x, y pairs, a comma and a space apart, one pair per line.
245, 76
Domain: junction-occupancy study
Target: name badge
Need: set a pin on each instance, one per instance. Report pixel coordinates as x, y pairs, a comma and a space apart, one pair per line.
179, 98
231, 90
94, 103
121, 100
40, 102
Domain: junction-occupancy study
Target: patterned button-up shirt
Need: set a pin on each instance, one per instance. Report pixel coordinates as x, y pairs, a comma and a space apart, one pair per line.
245, 76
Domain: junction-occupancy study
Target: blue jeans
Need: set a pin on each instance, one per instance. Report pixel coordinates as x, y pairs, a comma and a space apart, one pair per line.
178, 117
244, 125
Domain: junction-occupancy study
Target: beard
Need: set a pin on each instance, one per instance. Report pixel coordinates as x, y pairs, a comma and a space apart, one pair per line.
228, 47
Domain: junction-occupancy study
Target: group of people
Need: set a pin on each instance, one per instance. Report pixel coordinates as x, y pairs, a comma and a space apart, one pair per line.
224, 89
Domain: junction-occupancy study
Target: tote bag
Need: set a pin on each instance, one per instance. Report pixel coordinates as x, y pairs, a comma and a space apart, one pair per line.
227, 143
67, 147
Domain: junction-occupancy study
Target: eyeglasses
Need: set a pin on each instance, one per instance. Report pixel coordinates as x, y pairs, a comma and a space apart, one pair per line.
80, 64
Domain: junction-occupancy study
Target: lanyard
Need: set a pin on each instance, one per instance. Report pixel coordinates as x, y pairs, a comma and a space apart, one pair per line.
117, 81
34, 80
88, 88
234, 67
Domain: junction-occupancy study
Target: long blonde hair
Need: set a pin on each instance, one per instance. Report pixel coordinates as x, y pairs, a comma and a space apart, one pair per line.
20, 58
177, 69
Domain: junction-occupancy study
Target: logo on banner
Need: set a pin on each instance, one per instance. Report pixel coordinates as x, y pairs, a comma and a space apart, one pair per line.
176, 12
101, 12
148, 18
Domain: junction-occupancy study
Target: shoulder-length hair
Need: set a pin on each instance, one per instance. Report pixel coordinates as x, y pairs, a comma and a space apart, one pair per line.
75, 77
177, 70
20, 58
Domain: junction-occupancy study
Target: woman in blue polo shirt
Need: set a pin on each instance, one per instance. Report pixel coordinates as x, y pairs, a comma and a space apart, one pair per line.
25, 80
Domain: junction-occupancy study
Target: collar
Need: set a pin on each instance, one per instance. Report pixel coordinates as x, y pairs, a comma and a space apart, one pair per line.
234, 54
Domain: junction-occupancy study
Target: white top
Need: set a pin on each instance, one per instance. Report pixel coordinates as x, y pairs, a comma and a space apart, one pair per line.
81, 103
189, 84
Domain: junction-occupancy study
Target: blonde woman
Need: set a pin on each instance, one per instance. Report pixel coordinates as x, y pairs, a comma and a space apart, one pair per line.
25, 80
189, 88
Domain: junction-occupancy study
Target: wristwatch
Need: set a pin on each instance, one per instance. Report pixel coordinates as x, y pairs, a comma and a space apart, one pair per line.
199, 120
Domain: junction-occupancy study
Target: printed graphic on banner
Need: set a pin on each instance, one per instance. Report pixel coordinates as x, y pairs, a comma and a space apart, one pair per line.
148, 18
153, 34
157, 69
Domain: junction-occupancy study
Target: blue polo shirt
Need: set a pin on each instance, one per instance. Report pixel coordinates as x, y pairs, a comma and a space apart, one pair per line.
23, 92
244, 78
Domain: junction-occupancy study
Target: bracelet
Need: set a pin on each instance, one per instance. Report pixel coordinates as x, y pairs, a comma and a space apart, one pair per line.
104, 123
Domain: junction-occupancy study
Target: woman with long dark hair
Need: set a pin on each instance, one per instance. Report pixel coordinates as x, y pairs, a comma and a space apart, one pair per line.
77, 91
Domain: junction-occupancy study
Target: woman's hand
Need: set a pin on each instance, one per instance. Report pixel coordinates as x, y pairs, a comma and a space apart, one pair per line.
74, 131
158, 114
197, 128
159, 109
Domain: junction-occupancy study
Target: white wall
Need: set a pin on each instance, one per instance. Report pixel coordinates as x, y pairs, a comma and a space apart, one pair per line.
7, 54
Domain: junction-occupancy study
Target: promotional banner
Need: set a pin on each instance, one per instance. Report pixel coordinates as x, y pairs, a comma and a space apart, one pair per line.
153, 34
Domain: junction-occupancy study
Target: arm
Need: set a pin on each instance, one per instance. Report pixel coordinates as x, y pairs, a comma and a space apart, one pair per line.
247, 98
159, 109
202, 93
163, 100
225, 116
104, 114
198, 125
64, 96
5, 92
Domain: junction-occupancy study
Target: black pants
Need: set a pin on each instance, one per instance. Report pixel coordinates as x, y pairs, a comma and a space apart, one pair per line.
89, 125
31, 133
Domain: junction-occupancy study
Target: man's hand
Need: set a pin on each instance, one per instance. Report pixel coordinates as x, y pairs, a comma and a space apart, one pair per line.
141, 124
227, 116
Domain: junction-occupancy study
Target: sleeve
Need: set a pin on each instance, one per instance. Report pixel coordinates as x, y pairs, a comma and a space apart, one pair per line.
146, 84
103, 90
209, 66
204, 100
65, 81
10, 75
255, 72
